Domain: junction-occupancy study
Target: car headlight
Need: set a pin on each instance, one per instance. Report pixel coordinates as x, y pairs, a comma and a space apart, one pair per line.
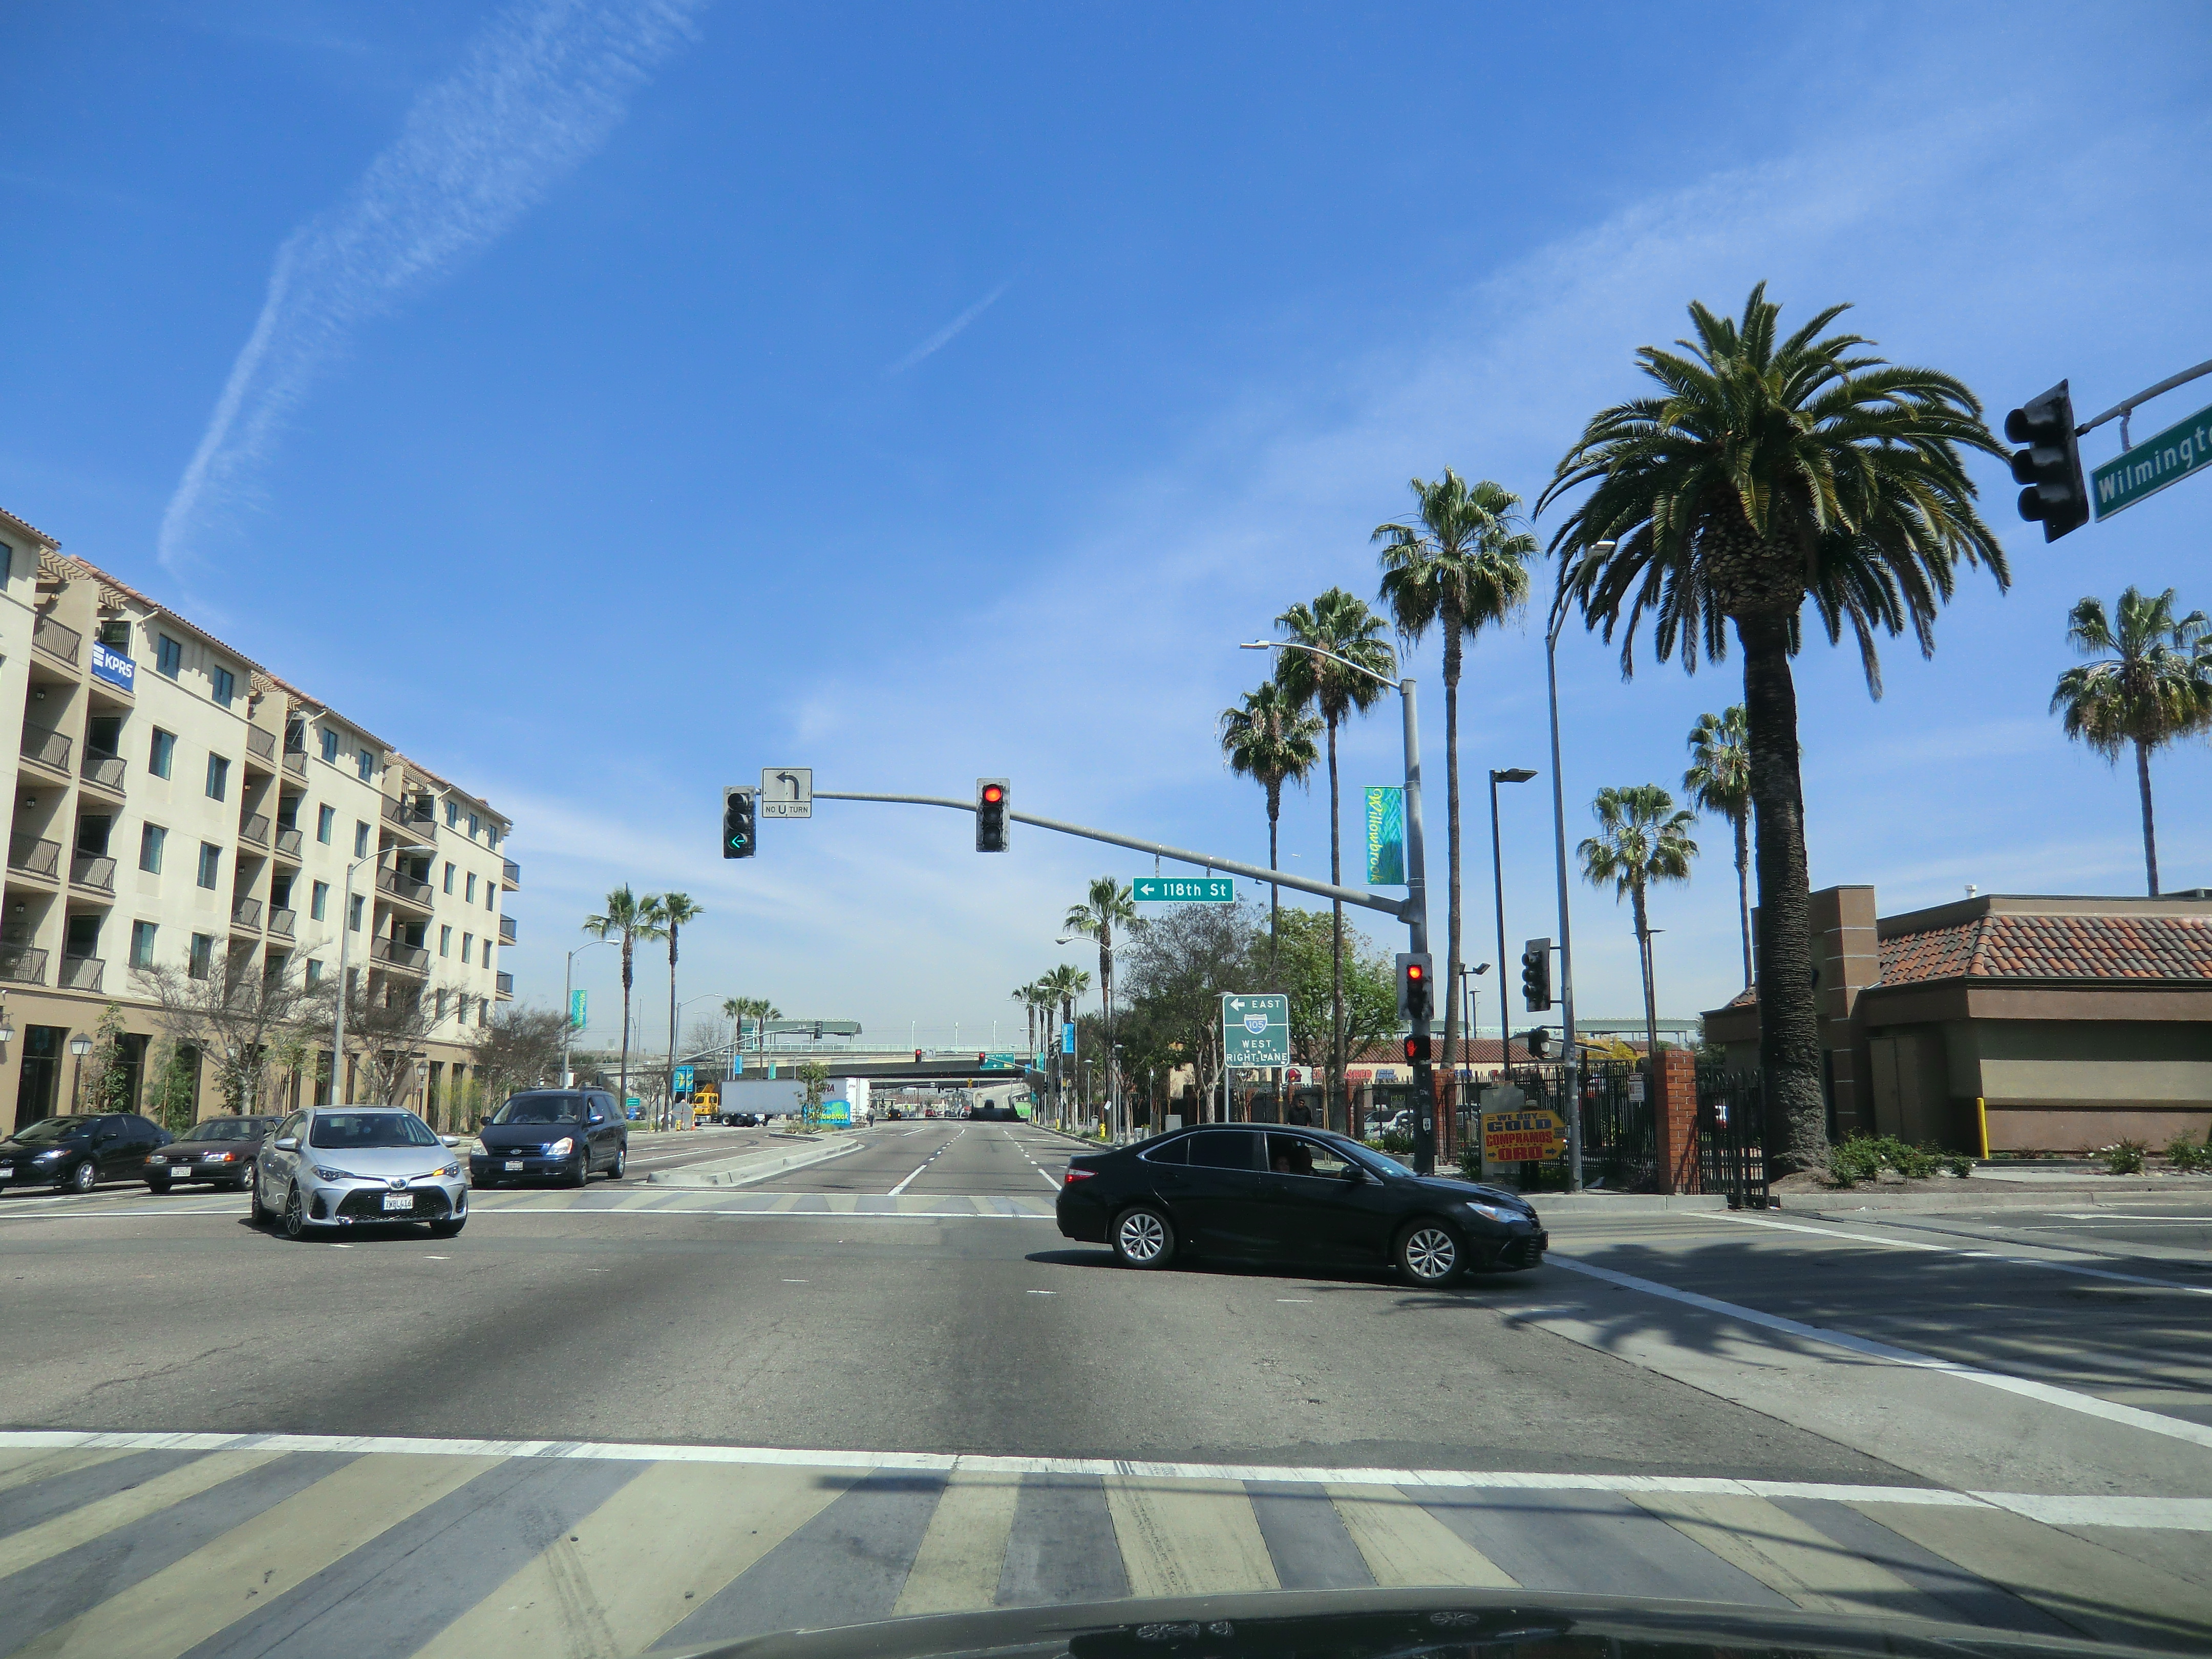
328, 1173
156, 1158
561, 1148
48, 1158
451, 1171
1497, 1212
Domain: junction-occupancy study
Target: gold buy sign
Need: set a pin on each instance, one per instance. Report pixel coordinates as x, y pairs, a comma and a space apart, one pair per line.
1526, 1137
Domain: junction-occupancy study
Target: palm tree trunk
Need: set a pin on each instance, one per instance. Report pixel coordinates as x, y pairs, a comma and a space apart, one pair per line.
1444, 1116
673, 930
1336, 936
1274, 893
623, 1075
2150, 832
1789, 1025
1743, 889
1650, 1000
1106, 1005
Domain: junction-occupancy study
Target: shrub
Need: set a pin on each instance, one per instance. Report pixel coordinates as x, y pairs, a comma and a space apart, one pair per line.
1959, 1164
1397, 1144
1470, 1162
2123, 1157
1913, 1163
1858, 1160
2187, 1156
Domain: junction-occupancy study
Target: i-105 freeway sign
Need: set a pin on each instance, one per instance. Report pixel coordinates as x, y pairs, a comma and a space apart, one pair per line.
1187, 890
1256, 1030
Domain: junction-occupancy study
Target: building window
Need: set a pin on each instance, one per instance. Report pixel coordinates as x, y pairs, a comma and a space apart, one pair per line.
470, 897
226, 687
468, 942
360, 839
487, 948
203, 955
218, 776
326, 818
319, 901
445, 941
365, 763
490, 903
483, 1010
315, 973
142, 945
473, 826
162, 759
7, 562
461, 1008
150, 839
452, 813
449, 878
331, 747
210, 864
353, 912
168, 657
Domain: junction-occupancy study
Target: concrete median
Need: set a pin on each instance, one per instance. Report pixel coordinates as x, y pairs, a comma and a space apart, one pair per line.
758, 1165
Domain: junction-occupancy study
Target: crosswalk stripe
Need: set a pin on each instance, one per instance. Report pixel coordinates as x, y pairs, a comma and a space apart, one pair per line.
250, 1565
963, 1553
1789, 1555
25, 1468
80, 1526
636, 1567
1403, 1543
1188, 1537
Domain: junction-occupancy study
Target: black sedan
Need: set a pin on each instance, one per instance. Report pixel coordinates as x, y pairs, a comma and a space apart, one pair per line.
560, 1134
222, 1149
1292, 1195
79, 1152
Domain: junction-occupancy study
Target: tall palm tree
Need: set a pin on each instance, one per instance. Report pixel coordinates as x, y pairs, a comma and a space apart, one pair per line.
2155, 685
1270, 740
1065, 986
670, 912
1719, 781
759, 1009
1640, 839
1106, 903
1339, 623
1766, 471
1460, 563
630, 919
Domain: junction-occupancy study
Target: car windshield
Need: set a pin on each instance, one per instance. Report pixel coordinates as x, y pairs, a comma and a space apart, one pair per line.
231, 1128
55, 1128
1374, 1162
541, 1109
370, 1129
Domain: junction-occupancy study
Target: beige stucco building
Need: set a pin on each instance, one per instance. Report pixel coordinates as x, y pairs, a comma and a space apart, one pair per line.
176, 804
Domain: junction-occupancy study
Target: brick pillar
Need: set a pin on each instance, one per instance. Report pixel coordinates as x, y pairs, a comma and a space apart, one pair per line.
1675, 1119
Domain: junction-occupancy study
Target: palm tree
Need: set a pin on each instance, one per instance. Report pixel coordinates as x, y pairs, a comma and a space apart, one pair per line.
1461, 563
1270, 741
2155, 685
670, 912
1339, 622
1719, 781
1064, 987
1767, 470
630, 919
1106, 902
1641, 839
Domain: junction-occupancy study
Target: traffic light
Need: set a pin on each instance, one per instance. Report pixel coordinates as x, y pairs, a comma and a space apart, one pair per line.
1536, 975
1416, 999
2051, 466
1540, 1041
1418, 1048
737, 834
990, 815
917, 1056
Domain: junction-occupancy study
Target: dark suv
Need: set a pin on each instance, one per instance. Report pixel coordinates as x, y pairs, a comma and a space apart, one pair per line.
79, 1152
562, 1134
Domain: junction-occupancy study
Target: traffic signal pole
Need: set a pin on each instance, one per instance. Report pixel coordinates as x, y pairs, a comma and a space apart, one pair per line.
1416, 914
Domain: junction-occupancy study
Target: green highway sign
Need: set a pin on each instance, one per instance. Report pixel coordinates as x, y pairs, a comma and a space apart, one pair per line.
1188, 889
2151, 465
1256, 1030
1002, 1062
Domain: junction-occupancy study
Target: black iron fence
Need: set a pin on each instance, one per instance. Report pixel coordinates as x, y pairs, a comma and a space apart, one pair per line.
1732, 1137
1619, 1142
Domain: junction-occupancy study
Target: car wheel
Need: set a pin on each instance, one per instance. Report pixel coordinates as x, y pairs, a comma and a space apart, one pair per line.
157, 1183
84, 1177
448, 1229
253, 1203
1428, 1255
621, 1163
1143, 1237
582, 1176
295, 1215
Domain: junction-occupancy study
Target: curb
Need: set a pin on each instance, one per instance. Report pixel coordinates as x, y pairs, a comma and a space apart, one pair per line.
1853, 1200
1588, 1203
744, 1172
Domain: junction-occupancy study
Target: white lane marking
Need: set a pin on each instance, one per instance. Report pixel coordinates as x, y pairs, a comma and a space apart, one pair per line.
440, 1258
1293, 1298
2075, 1268
923, 1164
794, 1281
2049, 1393
341, 1247
2192, 1514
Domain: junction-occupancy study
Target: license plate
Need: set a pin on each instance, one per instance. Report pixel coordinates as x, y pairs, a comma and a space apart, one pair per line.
514, 1163
399, 1200
6, 1170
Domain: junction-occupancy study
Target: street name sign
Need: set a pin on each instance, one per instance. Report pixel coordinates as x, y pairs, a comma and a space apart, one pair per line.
787, 791
1256, 1030
2171, 456
1184, 890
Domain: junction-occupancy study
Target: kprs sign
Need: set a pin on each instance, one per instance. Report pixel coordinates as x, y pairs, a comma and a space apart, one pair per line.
113, 666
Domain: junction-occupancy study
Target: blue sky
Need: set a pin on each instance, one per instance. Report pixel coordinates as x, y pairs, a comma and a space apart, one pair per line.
605, 402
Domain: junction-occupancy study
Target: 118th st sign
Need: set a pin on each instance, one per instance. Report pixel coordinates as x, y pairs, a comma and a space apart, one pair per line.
1184, 890
2151, 465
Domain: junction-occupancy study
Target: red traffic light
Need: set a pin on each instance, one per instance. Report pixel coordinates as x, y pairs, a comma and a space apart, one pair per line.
993, 794
917, 1056
1414, 971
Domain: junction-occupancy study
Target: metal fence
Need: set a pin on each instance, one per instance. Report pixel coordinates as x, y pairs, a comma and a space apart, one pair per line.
1619, 1142
1732, 1137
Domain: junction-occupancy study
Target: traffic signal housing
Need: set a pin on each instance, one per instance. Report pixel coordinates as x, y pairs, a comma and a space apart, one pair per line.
1539, 1042
1418, 1049
1536, 975
1416, 994
739, 837
2051, 466
990, 815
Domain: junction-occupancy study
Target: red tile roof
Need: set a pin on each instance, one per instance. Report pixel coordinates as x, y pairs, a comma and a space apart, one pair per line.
2005, 947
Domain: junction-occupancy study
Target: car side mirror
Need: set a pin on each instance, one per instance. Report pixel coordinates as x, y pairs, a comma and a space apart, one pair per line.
451, 1141
288, 1143
1354, 1174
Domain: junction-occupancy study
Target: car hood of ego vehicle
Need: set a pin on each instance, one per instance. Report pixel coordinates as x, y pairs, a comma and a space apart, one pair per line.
1407, 1623
379, 1162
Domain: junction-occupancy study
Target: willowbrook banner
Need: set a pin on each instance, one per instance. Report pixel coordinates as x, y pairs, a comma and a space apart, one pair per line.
1386, 835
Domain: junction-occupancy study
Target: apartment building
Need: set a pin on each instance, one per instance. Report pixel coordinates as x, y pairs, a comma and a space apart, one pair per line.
178, 804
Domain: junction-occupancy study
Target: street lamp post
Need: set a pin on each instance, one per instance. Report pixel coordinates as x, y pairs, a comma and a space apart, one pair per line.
1415, 912
568, 1010
345, 932
80, 1045
1510, 774
1570, 1055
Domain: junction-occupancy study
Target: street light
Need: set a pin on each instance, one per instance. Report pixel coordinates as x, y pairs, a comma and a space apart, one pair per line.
1511, 775
1415, 912
568, 1010
345, 931
80, 1045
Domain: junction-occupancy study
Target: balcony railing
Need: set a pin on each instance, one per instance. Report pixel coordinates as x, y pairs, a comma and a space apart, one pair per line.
94, 870
56, 641
103, 769
409, 812
255, 829
261, 743
511, 877
81, 973
400, 954
46, 748
506, 984
20, 964
280, 923
288, 844
506, 930
405, 888
34, 857
295, 761
246, 913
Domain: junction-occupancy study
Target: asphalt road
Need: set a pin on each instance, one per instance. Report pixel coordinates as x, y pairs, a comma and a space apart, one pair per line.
911, 1299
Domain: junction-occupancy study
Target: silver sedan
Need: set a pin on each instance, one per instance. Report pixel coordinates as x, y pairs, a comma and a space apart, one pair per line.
345, 1166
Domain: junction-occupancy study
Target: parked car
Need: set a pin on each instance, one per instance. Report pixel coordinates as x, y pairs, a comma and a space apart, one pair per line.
543, 1134
1293, 1196
79, 1152
342, 1166
222, 1149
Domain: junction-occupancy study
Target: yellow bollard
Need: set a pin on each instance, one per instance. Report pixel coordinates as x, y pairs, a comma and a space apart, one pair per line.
1982, 1121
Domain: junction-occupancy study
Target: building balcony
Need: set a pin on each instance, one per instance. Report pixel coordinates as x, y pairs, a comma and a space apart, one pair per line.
288, 845
254, 830
296, 762
404, 890
103, 770
505, 983
510, 875
29, 856
22, 964
61, 644
261, 747
46, 748
282, 922
412, 814
246, 916
93, 870
397, 953
506, 930
81, 973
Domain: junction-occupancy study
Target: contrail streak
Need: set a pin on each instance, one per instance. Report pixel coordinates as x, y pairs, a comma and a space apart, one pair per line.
943, 338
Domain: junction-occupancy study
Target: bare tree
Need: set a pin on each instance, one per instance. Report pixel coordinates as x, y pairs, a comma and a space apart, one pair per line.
521, 1047
388, 1024
234, 1018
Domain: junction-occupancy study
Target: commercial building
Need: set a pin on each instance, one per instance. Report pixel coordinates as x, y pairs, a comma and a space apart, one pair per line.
177, 806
